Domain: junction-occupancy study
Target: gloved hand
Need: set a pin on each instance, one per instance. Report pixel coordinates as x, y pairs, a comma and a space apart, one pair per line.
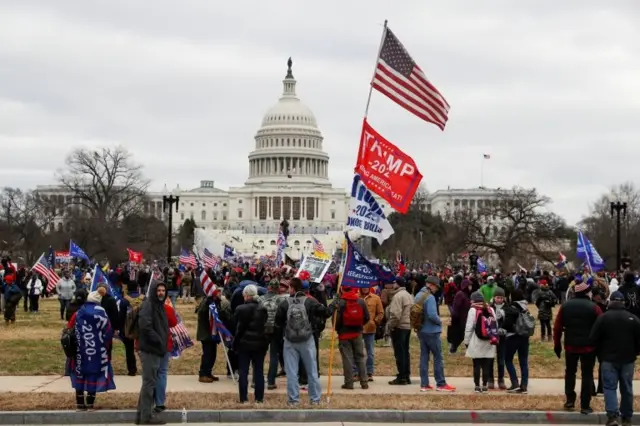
558, 350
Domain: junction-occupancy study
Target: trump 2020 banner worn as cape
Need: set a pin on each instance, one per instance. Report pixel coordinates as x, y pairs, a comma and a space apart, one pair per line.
365, 214
386, 170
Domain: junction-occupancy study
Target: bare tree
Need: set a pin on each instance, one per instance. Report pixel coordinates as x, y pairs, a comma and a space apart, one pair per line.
515, 223
106, 184
24, 217
600, 225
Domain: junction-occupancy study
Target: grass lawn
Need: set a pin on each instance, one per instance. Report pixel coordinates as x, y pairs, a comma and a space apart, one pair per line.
31, 347
227, 401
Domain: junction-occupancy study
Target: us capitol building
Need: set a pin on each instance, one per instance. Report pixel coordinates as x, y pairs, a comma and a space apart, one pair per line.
288, 179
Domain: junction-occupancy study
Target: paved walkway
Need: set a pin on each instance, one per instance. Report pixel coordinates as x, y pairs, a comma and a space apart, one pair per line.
225, 385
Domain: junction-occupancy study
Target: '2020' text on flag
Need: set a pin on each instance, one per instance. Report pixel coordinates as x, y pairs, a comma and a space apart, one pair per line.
365, 214
386, 170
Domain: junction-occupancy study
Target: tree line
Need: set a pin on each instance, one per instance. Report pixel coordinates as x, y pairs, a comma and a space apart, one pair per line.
104, 212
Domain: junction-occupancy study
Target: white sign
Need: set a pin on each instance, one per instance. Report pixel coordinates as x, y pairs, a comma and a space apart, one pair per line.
315, 266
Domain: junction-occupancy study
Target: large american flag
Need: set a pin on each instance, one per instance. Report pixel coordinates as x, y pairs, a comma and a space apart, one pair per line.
187, 258
43, 268
399, 78
209, 260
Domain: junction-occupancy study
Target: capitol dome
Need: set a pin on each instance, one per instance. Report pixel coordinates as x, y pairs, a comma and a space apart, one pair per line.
288, 145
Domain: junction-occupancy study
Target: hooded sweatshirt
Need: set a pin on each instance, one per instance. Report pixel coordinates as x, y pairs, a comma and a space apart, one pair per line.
153, 324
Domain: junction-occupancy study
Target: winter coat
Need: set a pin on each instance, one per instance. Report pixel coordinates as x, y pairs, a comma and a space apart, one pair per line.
65, 288
616, 335
34, 287
153, 325
432, 324
399, 310
476, 347
349, 332
460, 309
545, 301
203, 331
250, 321
376, 313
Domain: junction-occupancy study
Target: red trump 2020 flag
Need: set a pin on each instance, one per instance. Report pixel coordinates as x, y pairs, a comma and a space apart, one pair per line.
398, 77
135, 256
386, 170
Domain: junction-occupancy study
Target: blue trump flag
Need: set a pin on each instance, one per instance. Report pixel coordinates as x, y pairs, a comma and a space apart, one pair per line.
98, 278
228, 251
76, 251
586, 252
359, 272
482, 267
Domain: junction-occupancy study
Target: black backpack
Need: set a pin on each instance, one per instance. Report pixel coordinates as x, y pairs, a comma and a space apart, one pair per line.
69, 342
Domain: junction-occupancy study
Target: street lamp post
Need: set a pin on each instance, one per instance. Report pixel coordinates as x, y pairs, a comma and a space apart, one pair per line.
618, 207
169, 200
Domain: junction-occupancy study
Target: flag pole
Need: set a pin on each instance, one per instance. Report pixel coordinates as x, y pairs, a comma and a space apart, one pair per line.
333, 319
384, 32
226, 355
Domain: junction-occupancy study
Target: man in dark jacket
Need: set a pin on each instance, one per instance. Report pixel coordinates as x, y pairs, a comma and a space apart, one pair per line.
153, 326
209, 345
575, 319
351, 317
631, 293
250, 343
616, 335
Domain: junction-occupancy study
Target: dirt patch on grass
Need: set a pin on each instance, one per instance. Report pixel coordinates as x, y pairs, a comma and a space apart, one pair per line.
191, 401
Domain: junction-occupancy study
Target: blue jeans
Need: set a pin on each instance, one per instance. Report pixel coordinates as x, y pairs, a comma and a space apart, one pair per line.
369, 344
160, 391
612, 373
431, 343
173, 295
519, 344
293, 353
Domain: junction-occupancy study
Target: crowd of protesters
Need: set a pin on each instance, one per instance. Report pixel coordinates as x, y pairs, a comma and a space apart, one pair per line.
271, 313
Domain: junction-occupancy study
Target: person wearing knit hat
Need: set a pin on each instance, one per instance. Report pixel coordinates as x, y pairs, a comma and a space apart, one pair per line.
481, 351
616, 336
545, 300
12, 295
94, 373
574, 320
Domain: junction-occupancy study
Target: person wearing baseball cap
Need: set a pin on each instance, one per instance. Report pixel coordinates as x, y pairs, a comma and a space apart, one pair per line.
575, 319
399, 326
616, 336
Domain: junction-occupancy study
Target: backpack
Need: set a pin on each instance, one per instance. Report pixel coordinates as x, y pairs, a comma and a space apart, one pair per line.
525, 324
69, 342
271, 305
486, 327
131, 322
353, 314
298, 328
416, 314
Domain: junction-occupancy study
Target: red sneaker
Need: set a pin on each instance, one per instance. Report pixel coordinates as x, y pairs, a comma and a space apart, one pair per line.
446, 388
426, 388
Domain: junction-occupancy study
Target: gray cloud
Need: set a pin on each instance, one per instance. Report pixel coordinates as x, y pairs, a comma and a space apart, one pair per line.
549, 90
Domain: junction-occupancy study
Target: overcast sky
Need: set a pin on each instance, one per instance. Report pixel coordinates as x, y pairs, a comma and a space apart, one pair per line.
551, 90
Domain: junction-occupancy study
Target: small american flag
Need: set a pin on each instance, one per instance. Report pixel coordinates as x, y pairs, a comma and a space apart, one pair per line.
317, 246
399, 78
187, 258
209, 260
205, 281
180, 336
43, 268
218, 329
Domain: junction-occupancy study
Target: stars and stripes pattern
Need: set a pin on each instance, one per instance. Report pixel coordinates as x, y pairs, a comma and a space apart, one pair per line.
399, 78
187, 258
317, 246
208, 286
209, 259
43, 268
180, 336
218, 330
